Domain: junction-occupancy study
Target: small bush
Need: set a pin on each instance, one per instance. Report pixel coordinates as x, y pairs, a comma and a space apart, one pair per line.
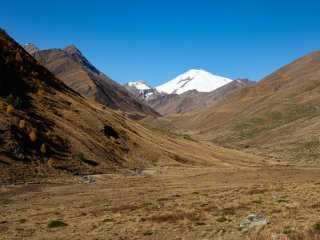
10, 109
33, 135
222, 219
287, 230
56, 223
147, 233
40, 94
22, 124
51, 162
2, 106
22, 221
316, 226
144, 205
43, 148
108, 220
258, 202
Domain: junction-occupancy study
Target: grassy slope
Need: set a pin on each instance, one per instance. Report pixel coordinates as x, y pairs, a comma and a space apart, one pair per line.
278, 117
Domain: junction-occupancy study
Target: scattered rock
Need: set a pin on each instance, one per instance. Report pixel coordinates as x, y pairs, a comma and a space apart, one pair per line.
87, 179
221, 232
139, 171
136, 171
174, 195
275, 236
253, 220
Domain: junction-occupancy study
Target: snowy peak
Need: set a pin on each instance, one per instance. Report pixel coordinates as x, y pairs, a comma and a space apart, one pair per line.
140, 85
194, 79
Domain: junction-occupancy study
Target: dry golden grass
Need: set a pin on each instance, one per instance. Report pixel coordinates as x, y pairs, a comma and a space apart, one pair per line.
177, 202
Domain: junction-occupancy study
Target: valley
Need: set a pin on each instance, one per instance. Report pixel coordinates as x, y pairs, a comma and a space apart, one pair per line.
170, 203
200, 156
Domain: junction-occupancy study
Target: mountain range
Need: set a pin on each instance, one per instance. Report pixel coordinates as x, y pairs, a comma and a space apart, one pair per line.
278, 117
188, 92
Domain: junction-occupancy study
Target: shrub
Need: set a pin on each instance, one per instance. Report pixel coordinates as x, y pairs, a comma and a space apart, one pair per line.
316, 226
40, 93
33, 135
10, 109
43, 148
22, 124
147, 233
222, 219
50, 162
2, 106
258, 201
18, 57
56, 223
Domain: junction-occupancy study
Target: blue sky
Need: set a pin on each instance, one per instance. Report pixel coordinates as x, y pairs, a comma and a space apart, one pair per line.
157, 40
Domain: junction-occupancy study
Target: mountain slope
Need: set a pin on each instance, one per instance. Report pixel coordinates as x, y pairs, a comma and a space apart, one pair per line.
192, 100
77, 72
279, 117
193, 79
48, 130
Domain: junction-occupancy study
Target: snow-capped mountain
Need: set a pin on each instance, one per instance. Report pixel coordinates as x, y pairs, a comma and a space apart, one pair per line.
140, 85
194, 79
141, 90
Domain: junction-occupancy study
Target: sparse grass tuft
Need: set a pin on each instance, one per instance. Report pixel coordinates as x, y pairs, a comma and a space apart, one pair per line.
257, 202
287, 230
172, 217
316, 226
123, 208
107, 220
56, 223
146, 204
222, 219
147, 233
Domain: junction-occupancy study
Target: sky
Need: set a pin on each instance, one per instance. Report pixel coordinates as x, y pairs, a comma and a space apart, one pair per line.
155, 41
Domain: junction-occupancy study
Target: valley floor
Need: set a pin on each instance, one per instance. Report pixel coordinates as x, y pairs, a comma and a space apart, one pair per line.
169, 203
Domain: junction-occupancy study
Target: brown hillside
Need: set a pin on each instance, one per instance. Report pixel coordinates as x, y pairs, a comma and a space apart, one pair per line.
47, 129
78, 73
279, 117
